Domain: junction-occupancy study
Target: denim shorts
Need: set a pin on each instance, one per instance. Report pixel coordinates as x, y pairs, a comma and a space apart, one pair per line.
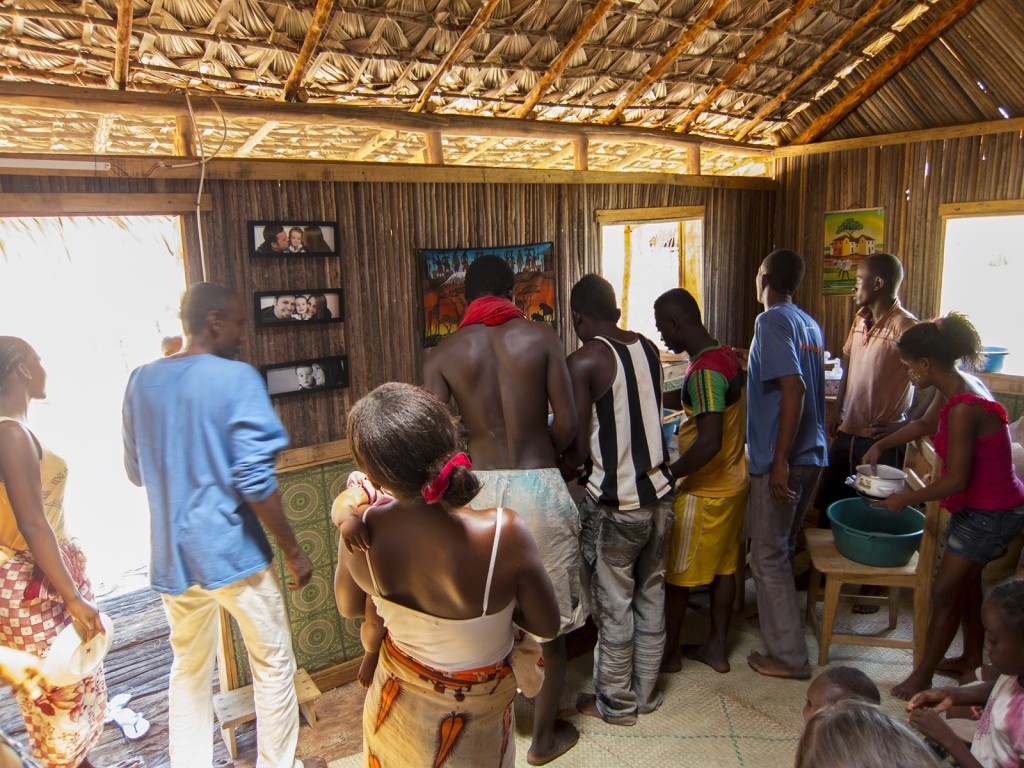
982, 535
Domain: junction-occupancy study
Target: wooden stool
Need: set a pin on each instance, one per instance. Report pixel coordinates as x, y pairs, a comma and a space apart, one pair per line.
238, 706
916, 575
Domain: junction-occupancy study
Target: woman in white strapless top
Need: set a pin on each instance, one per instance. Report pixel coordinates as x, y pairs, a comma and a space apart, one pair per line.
448, 580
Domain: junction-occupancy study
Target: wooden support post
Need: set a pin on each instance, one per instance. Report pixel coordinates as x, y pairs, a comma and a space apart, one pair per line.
184, 136
435, 150
693, 160
580, 153
124, 41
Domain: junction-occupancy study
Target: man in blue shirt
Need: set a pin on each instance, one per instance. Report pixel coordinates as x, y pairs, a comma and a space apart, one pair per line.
786, 440
201, 436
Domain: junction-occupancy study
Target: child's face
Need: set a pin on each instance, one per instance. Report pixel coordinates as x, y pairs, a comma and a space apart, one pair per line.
1004, 647
296, 238
821, 693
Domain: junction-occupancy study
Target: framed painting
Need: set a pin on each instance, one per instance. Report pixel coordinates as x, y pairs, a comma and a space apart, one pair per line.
443, 278
849, 237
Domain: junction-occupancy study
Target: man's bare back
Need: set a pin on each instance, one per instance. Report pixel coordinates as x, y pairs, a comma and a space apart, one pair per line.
502, 378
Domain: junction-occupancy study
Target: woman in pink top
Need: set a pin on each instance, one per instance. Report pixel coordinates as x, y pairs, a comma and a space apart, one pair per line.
978, 485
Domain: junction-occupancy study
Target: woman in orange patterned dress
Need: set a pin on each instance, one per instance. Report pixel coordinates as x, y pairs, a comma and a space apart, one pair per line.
43, 587
443, 689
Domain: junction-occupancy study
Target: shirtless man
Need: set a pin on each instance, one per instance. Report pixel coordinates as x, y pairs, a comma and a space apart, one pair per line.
503, 371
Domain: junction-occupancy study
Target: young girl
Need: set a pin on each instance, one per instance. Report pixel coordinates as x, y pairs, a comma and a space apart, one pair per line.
999, 741
978, 485
346, 513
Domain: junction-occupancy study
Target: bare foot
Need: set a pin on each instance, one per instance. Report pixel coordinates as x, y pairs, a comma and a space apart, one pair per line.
586, 704
764, 664
565, 738
916, 683
957, 666
715, 659
671, 661
366, 669
314, 762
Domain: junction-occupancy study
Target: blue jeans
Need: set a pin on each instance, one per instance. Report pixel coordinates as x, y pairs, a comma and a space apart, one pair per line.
624, 556
981, 535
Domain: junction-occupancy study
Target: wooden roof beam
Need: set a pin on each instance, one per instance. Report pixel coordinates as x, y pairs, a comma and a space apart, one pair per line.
745, 63
562, 60
815, 65
321, 17
880, 74
32, 95
124, 44
670, 55
478, 22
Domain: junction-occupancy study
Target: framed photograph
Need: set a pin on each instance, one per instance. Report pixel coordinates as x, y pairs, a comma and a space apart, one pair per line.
443, 277
301, 376
293, 238
308, 305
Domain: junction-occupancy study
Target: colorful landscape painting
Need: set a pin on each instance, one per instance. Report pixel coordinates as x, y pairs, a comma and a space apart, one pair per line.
443, 276
849, 237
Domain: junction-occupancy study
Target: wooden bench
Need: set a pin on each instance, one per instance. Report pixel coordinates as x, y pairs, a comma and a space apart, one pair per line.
236, 707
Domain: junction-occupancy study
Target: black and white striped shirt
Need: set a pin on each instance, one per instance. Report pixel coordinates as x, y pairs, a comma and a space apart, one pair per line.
627, 468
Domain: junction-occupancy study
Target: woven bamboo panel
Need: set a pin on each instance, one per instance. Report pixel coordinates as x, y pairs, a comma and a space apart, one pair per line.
380, 228
910, 181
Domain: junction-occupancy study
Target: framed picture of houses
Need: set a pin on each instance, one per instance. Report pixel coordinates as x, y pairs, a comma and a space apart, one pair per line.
849, 237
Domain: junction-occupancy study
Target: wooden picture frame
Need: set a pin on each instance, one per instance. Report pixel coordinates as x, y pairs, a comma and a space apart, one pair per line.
301, 377
298, 307
290, 238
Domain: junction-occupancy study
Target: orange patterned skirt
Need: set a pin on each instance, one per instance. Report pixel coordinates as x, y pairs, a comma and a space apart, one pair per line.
66, 721
419, 716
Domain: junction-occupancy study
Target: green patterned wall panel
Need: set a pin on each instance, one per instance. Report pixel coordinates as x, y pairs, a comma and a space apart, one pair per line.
320, 636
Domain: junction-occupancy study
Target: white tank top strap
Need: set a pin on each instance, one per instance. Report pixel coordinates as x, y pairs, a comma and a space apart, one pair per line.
494, 556
369, 565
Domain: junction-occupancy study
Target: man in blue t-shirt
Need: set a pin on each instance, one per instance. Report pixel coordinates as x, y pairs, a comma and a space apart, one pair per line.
786, 440
201, 436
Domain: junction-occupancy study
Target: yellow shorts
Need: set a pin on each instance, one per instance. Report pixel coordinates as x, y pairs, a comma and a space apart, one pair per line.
705, 538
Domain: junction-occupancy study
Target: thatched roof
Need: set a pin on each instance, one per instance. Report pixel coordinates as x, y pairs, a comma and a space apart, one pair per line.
704, 74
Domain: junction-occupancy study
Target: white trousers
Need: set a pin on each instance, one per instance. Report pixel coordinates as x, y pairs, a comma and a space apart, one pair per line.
256, 604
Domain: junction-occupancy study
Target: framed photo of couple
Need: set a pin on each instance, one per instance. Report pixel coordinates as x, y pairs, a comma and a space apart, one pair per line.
308, 305
302, 376
288, 237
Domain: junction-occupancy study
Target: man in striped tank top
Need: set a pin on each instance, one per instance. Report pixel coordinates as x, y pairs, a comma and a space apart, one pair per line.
626, 513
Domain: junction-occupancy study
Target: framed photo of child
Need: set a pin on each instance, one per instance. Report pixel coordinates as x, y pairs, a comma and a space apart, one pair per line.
303, 376
307, 305
291, 238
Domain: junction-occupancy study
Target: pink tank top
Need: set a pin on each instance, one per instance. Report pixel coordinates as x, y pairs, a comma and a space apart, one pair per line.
992, 484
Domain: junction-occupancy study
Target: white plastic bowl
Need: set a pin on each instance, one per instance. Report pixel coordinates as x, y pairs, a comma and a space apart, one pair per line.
880, 483
69, 660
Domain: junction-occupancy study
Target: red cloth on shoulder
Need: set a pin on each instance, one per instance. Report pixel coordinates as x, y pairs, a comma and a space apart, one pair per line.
491, 310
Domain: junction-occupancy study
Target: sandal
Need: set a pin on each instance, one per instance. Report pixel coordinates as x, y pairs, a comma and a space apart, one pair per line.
116, 704
133, 725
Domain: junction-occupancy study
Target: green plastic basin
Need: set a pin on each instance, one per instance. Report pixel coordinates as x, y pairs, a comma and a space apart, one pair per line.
875, 536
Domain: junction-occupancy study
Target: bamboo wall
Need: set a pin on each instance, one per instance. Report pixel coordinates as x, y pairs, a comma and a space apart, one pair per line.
910, 181
380, 227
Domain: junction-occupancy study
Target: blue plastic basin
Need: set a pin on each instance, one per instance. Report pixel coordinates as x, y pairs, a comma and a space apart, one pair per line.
874, 535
